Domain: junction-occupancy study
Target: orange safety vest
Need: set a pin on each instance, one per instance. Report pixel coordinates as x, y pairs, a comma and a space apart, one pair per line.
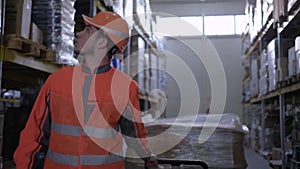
82, 110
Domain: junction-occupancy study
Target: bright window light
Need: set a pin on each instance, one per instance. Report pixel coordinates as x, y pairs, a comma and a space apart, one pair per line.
196, 22
219, 25
240, 23
179, 26
193, 26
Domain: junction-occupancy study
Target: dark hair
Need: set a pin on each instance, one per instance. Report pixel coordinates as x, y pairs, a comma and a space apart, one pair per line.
112, 48
110, 45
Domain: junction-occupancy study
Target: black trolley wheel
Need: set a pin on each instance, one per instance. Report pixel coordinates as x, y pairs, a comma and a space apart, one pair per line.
177, 162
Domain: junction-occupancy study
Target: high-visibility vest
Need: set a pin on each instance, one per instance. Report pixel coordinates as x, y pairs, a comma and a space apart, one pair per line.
85, 111
87, 141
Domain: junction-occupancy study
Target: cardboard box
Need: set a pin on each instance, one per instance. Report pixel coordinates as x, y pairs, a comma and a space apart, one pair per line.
18, 17
286, 45
282, 69
36, 35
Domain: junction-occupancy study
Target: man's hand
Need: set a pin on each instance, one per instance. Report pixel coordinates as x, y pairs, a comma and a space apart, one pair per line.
151, 163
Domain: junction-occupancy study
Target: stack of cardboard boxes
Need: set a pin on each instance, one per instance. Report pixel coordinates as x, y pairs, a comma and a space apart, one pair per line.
18, 18
292, 62
271, 65
263, 74
294, 58
254, 83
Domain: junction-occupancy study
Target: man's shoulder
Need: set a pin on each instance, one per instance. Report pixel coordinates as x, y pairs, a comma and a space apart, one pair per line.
121, 74
62, 73
64, 70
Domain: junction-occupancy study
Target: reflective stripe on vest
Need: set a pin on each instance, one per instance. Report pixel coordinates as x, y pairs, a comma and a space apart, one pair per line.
84, 159
62, 158
90, 131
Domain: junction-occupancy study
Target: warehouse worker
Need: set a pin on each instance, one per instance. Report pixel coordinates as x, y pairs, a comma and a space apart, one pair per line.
82, 113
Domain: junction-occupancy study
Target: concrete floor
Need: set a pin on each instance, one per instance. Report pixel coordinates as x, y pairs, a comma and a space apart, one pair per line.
255, 161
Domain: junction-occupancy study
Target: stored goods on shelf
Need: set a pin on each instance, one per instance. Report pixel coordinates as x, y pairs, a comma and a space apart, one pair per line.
263, 73
292, 62
118, 7
282, 69
278, 63
276, 153
108, 3
272, 70
280, 9
254, 83
298, 62
153, 72
267, 8
297, 44
250, 8
285, 43
36, 35
162, 79
18, 17
128, 12
217, 152
56, 20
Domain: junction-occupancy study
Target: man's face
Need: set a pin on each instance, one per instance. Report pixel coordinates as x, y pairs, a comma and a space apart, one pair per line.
83, 36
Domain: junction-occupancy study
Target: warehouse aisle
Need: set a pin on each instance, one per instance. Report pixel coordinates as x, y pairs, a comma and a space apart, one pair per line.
255, 161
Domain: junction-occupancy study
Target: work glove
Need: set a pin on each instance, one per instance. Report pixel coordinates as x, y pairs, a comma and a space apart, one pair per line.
151, 163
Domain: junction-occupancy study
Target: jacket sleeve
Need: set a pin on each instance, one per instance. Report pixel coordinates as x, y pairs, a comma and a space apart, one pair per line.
132, 127
34, 139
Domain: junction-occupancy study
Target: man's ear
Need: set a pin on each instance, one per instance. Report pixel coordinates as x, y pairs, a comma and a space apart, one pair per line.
102, 43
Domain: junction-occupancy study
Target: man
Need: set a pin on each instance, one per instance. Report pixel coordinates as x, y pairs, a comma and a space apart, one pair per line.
81, 112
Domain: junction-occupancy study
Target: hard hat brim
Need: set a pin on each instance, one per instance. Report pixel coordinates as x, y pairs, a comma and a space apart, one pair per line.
88, 21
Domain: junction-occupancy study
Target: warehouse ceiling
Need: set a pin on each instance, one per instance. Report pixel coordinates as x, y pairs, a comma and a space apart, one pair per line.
198, 7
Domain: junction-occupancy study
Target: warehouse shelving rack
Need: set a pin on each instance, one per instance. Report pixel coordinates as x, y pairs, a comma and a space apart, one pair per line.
33, 68
285, 99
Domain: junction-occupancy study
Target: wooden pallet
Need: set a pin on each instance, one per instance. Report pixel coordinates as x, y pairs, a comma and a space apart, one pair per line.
30, 48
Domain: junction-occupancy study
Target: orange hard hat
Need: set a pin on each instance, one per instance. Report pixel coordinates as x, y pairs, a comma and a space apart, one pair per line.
113, 25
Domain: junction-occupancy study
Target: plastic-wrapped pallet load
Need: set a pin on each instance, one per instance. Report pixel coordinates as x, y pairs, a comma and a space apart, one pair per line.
223, 149
56, 19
